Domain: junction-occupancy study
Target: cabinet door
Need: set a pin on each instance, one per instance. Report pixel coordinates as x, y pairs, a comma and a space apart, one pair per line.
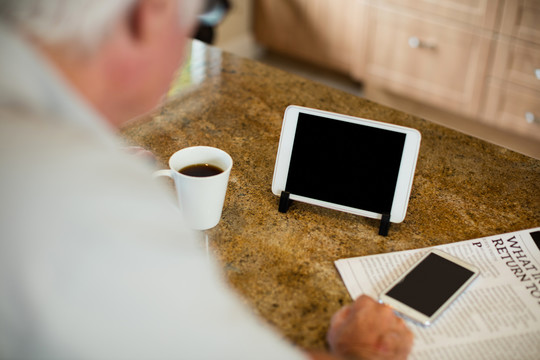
518, 62
521, 19
481, 13
429, 61
513, 108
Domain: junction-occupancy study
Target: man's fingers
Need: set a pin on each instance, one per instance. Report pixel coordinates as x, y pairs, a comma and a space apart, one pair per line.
340, 316
364, 301
395, 342
408, 340
388, 342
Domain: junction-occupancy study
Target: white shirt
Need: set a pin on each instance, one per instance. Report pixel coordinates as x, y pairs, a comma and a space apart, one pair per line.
94, 260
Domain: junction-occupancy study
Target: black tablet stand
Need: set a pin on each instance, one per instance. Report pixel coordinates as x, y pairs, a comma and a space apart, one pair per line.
385, 225
285, 202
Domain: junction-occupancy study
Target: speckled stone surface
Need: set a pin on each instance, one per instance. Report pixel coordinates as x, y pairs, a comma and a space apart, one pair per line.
282, 264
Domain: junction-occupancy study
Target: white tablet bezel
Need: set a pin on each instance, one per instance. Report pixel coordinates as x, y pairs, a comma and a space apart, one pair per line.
406, 171
416, 315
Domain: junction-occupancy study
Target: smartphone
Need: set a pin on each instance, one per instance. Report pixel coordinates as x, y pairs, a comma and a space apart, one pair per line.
429, 287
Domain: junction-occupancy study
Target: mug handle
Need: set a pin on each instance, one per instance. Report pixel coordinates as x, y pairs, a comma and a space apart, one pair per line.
159, 173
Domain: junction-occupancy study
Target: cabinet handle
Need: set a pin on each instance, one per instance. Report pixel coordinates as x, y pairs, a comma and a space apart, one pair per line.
530, 118
416, 43
537, 73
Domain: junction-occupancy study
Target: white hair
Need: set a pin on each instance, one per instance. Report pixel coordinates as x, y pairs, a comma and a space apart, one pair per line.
76, 22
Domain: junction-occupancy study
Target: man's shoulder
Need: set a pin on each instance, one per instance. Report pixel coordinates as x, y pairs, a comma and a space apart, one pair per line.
65, 147
22, 128
68, 175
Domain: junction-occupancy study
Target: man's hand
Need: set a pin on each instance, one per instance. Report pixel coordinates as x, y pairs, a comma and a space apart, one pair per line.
368, 330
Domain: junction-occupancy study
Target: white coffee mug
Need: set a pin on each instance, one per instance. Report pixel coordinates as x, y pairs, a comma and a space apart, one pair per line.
200, 198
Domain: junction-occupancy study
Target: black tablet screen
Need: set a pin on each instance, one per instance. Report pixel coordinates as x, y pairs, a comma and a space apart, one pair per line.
345, 163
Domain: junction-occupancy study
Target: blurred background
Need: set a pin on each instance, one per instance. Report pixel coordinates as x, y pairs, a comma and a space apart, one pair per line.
471, 65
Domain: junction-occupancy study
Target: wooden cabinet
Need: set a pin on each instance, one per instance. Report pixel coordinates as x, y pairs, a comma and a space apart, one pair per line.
478, 13
521, 19
512, 99
434, 62
316, 31
513, 107
479, 59
518, 62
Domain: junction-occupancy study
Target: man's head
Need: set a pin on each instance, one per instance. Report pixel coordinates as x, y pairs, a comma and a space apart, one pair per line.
119, 54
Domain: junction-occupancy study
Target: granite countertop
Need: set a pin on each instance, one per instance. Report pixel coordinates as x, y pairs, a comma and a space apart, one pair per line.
283, 264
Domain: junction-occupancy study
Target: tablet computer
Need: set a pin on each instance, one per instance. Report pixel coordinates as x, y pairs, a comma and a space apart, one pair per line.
345, 163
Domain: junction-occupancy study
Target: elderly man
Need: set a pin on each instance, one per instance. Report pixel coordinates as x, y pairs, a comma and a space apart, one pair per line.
94, 263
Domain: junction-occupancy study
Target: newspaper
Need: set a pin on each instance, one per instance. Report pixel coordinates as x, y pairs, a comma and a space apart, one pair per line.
498, 316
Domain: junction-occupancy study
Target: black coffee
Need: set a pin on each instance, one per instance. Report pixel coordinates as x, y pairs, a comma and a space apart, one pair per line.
200, 170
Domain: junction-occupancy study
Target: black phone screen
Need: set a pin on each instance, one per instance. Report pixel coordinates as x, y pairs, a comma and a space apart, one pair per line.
345, 163
430, 284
